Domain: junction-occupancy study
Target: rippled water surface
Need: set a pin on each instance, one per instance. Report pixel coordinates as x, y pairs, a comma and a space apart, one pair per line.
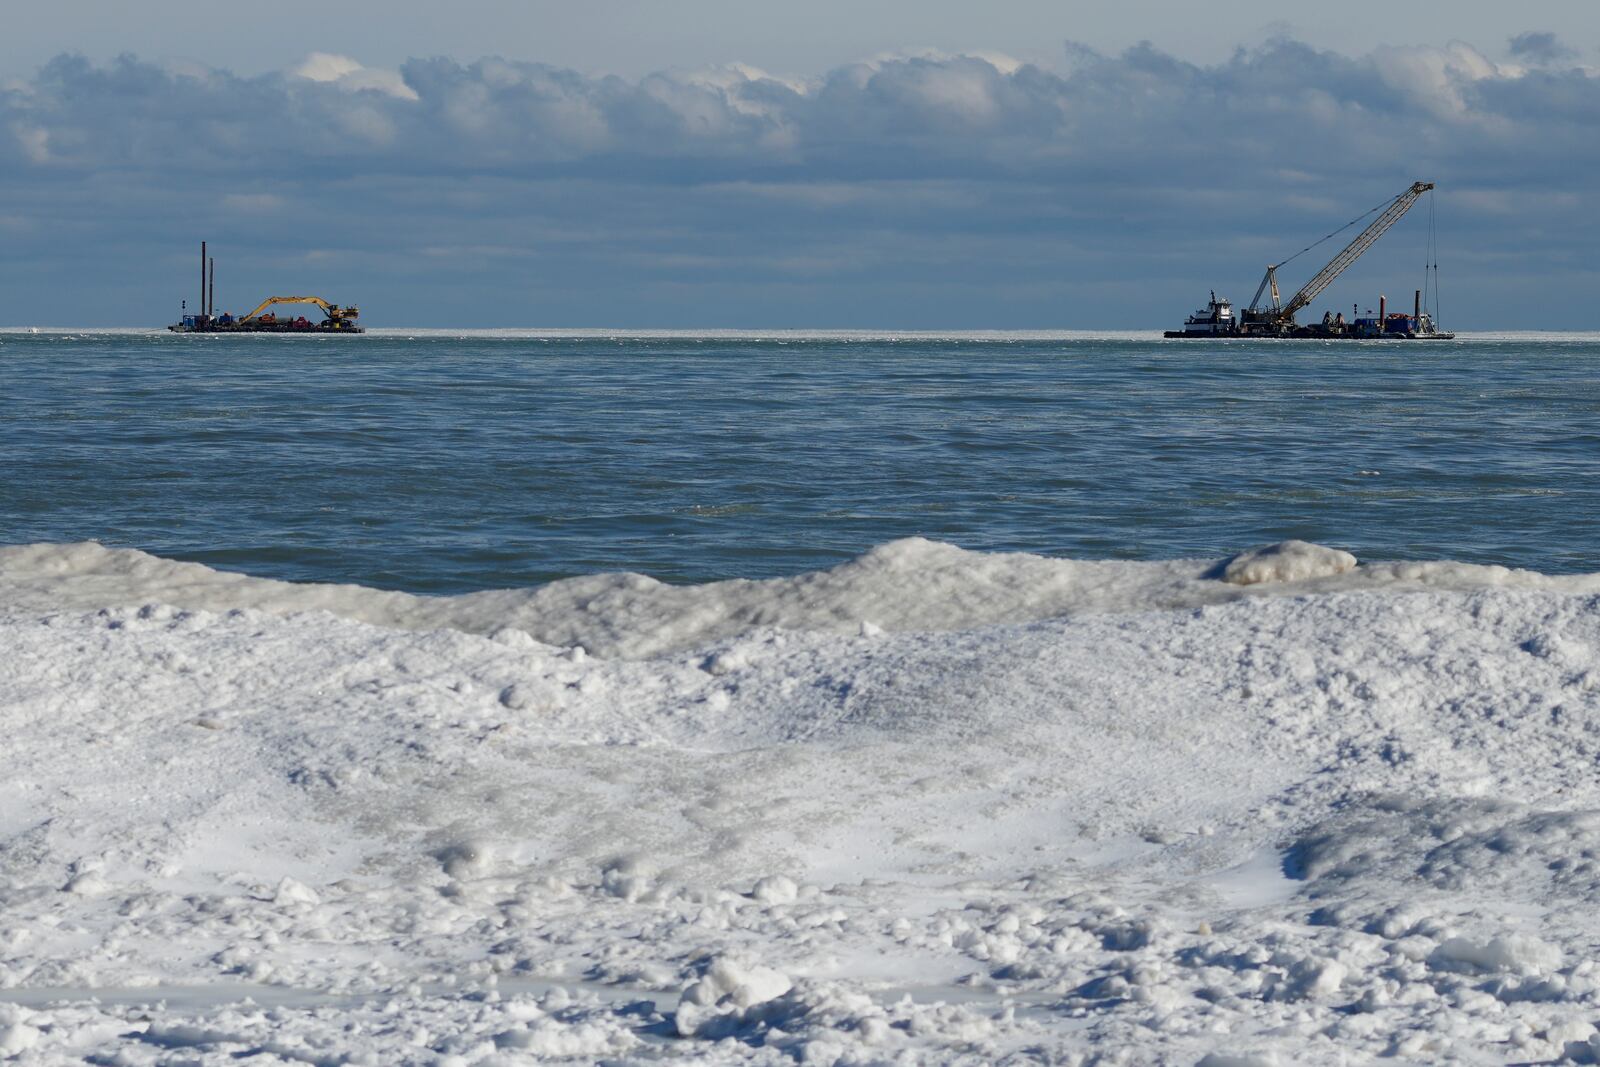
442, 463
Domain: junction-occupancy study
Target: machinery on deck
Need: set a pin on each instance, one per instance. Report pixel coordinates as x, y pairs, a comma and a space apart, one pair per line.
335, 319
1277, 318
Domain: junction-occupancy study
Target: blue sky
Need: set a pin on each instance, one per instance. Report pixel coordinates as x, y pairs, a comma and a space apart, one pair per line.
1040, 167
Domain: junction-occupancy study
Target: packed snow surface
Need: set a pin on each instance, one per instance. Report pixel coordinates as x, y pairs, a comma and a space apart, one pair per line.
930, 805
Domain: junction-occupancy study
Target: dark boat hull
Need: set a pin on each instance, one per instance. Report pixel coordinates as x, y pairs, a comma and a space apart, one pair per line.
267, 327
1308, 334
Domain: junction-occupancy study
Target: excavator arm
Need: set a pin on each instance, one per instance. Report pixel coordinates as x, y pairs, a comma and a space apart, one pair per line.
1364, 240
325, 306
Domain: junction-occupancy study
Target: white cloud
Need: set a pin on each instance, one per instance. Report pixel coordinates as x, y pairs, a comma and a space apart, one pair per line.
324, 67
349, 74
1437, 78
903, 116
732, 77
999, 61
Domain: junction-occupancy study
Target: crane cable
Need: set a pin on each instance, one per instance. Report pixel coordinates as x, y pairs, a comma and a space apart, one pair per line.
1359, 218
1433, 254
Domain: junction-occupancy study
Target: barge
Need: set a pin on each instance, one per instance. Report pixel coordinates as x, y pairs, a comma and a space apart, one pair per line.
1217, 319
1277, 319
335, 319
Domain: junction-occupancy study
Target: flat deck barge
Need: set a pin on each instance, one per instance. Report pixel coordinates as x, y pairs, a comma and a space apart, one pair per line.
335, 319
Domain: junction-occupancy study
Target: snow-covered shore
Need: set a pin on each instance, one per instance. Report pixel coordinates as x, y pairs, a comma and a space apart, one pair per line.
928, 805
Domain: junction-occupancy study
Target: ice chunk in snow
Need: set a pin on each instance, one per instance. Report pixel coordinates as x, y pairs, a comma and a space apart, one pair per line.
1236, 1059
1513, 953
464, 859
511, 637
551, 1038
88, 883
775, 889
629, 878
1286, 561
290, 891
728, 986
726, 661
1579, 1032
1582, 1050
16, 1035
1313, 978
730, 981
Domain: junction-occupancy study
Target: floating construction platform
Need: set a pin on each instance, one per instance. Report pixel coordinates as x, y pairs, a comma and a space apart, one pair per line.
335, 319
1216, 319
1277, 319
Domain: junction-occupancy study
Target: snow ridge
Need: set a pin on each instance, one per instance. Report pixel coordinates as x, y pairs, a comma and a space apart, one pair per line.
911, 584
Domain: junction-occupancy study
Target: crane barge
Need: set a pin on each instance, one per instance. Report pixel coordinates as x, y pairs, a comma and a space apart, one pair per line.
1277, 319
335, 319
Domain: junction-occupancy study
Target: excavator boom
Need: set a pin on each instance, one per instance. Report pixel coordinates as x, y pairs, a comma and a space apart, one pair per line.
327, 308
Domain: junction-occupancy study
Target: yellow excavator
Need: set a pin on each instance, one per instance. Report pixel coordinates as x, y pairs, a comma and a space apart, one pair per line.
337, 318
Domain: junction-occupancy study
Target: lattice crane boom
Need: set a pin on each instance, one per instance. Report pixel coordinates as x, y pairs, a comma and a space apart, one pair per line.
1337, 265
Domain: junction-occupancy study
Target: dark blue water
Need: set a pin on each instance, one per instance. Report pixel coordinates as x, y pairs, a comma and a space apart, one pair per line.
444, 464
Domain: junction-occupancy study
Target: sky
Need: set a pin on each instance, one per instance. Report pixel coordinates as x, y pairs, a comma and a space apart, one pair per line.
712, 164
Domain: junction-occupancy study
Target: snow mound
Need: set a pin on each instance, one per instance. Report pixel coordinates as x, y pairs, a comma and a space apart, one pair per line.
907, 585
1287, 561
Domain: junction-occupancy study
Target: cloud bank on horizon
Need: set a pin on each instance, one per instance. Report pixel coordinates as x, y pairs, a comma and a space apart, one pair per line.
921, 190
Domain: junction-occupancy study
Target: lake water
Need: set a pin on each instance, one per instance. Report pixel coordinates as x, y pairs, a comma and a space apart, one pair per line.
438, 462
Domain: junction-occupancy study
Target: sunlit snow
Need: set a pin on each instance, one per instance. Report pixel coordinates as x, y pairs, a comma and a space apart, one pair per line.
928, 806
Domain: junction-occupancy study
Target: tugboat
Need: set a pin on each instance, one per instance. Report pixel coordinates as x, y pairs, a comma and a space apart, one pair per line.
1214, 320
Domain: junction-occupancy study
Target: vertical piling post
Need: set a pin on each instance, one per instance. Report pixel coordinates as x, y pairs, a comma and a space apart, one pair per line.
202, 304
1416, 311
211, 294
1383, 313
